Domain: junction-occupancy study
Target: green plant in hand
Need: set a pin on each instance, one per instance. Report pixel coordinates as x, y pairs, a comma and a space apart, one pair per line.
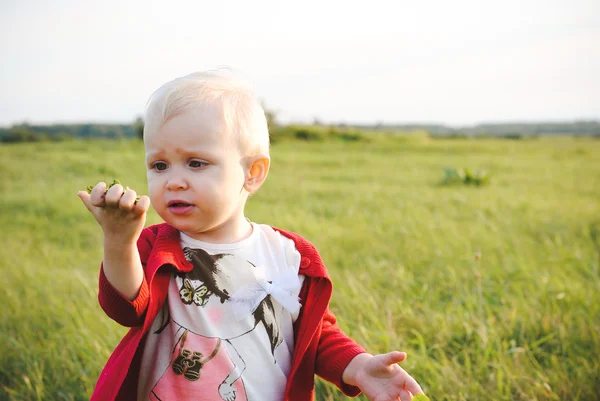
420, 397
115, 182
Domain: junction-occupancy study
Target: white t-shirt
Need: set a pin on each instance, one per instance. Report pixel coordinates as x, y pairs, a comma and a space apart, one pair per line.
226, 330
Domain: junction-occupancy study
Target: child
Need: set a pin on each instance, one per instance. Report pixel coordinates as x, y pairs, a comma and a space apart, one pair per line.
220, 308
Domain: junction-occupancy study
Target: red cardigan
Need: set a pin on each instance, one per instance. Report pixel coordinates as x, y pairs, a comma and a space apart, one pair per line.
320, 346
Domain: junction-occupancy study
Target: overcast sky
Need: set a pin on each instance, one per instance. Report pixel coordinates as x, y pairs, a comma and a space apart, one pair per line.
456, 62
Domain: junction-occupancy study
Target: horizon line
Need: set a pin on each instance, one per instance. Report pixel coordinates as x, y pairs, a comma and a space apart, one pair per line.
344, 123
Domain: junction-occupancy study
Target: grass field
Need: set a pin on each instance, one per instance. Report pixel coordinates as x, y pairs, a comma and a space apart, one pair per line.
493, 291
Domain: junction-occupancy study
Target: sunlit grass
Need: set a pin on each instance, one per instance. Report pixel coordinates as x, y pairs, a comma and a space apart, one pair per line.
492, 290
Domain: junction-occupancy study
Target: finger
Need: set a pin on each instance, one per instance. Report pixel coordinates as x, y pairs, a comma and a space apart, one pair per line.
85, 198
127, 200
411, 385
97, 197
405, 395
142, 205
114, 194
394, 357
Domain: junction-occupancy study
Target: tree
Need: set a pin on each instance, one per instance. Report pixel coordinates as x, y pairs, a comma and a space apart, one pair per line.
138, 127
271, 118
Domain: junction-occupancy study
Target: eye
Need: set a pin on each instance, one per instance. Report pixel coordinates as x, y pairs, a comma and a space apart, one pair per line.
197, 163
160, 166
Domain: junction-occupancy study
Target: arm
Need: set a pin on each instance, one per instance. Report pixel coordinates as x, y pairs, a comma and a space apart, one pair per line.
122, 310
122, 221
336, 350
122, 266
226, 389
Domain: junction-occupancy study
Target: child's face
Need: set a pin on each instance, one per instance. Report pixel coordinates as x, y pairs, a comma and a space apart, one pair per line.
195, 175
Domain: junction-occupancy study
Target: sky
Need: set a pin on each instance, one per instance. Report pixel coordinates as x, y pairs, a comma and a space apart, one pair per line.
459, 62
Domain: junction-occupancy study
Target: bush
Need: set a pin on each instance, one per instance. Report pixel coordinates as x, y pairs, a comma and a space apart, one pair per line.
307, 134
465, 176
21, 134
315, 133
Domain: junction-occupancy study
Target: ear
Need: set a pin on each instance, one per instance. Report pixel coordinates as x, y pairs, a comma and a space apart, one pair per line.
257, 171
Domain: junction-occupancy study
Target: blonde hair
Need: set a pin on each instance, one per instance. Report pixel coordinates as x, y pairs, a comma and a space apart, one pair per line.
243, 116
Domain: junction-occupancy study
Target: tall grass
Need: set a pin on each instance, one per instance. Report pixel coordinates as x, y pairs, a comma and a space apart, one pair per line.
493, 291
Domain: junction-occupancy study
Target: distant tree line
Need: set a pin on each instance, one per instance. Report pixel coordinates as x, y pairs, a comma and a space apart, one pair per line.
507, 130
317, 131
56, 132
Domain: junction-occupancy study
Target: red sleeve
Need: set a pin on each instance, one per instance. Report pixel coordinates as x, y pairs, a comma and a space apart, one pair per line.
116, 306
335, 352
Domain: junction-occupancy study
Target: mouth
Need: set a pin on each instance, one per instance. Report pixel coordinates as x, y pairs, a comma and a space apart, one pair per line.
178, 203
177, 206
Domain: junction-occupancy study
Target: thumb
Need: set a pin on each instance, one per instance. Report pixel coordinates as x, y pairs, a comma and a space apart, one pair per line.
85, 198
393, 357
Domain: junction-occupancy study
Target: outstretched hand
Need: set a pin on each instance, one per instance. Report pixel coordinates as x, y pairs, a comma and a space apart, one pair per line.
118, 211
381, 378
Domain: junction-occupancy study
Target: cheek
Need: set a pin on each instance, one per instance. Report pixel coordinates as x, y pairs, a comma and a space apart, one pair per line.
218, 186
235, 178
154, 189
151, 187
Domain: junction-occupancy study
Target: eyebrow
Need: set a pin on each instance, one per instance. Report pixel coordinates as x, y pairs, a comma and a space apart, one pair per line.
154, 155
197, 152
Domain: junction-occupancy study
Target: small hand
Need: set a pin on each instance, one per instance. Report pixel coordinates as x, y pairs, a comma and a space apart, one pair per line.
381, 379
227, 391
120, 215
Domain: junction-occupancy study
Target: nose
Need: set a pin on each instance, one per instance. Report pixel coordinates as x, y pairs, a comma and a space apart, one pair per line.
176, 182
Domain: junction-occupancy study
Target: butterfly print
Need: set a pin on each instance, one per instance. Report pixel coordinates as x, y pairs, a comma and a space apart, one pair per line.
198, 295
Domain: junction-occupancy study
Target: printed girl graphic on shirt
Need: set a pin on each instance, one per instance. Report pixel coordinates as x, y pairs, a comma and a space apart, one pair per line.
226, 311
